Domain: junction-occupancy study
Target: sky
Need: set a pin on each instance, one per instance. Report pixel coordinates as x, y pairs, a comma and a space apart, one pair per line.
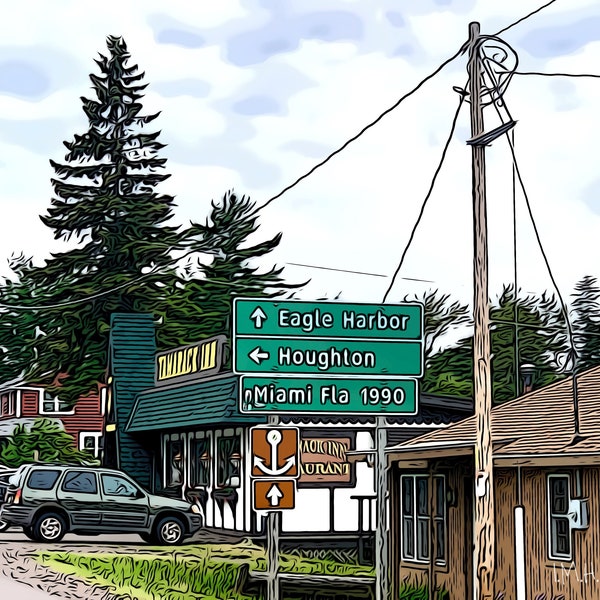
254, 93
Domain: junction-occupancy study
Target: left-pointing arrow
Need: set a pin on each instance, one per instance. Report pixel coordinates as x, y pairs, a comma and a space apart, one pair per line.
258, 355
274, 495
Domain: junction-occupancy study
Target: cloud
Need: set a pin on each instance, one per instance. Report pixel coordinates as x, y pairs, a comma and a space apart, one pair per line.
170, 31
33, 73
27, 134
307, 148
561, 39
197, 88
256, 105
285, 31
591, 196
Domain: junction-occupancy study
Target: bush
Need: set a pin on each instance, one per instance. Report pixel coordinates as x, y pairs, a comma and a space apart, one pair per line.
45, 441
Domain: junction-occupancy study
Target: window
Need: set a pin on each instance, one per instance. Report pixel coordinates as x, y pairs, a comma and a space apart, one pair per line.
200, 462
42, 480
54, 405
9, 404
416, 516
113, 485
82, 482
174, 463
559, 538
91, 441
228, 462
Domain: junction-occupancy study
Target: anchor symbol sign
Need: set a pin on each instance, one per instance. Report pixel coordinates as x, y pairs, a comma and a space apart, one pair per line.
274, 452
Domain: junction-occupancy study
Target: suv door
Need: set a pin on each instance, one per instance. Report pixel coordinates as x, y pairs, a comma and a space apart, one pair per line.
125, 506
78, 494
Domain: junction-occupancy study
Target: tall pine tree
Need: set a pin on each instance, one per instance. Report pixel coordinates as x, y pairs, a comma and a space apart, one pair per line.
106, 201
200, 304
586, 322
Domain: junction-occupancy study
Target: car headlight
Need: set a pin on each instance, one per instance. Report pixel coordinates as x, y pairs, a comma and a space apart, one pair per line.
196, 509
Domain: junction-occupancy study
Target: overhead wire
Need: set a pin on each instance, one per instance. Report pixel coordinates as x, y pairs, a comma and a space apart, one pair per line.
427, 196
460, 51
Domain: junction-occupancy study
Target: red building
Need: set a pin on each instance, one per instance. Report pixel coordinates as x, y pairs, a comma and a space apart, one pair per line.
22, 403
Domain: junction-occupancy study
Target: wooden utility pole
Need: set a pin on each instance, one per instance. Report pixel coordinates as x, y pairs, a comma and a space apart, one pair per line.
484, 535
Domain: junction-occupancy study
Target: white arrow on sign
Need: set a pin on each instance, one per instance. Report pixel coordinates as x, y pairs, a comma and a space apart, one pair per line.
258, 355
258, 316
274, 495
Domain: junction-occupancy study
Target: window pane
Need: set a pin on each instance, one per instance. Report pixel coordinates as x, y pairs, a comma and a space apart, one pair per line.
440, 540
200, 463
440, 496
42, 480
408, 538
561, 539
407, 496
80, 481
422, 504
423, 539
559, 490
228, 462
174, 463
113, 485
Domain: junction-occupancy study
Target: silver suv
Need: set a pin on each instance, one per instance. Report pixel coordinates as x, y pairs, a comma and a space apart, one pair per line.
48, 501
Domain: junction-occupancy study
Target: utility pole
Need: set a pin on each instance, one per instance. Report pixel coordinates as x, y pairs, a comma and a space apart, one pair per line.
484, 553
381, 483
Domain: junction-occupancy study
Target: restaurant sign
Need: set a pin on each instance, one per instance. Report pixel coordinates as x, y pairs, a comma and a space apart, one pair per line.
188, 363
324, 462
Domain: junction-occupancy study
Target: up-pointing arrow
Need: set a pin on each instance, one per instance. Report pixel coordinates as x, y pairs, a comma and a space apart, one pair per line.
258, 316
258, 355
274, 495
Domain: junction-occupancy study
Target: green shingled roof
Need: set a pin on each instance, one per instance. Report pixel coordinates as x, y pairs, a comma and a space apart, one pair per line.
208, 402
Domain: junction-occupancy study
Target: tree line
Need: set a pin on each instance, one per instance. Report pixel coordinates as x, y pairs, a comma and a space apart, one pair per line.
125, 254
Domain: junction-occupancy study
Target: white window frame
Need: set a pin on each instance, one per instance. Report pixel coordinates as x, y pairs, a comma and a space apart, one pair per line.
427, 518
97, 435
555, 555
56, 401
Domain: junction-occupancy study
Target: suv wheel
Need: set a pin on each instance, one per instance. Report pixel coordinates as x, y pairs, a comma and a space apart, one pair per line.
3, 526
169, 531
49, 527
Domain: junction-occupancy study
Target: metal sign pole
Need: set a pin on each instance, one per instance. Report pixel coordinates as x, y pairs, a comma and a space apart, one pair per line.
381, 482
273, 525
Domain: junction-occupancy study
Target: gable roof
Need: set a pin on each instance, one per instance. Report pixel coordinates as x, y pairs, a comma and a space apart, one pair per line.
539, 425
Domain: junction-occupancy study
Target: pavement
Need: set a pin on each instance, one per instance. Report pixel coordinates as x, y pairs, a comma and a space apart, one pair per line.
19, 590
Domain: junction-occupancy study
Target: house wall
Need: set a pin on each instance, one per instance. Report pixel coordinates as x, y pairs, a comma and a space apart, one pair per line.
576, 579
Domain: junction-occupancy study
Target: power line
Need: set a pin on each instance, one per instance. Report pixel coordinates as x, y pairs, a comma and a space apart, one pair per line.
337, 270
534, 12
541, 74
428, 195
363, 130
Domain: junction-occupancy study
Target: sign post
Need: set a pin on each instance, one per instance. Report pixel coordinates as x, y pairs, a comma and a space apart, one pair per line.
299, 357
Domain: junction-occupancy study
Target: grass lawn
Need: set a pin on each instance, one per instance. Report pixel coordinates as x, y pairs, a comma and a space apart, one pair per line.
183, 573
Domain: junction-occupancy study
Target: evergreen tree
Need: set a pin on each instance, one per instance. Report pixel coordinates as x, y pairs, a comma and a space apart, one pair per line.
586, 322
106, 201
201, 302
538, 339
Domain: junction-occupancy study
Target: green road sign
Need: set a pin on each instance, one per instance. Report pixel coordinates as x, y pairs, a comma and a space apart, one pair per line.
327, 319
327, 357
328, 395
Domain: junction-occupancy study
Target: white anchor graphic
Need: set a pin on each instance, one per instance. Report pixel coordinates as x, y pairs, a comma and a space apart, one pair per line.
274, 439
